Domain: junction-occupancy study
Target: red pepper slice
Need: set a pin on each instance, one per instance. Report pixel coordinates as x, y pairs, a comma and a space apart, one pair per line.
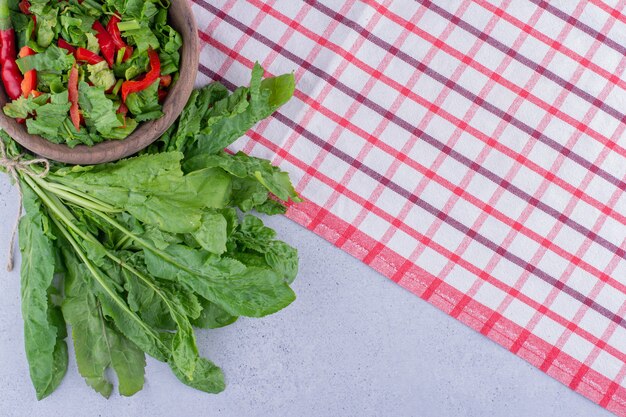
72, 91
116, 36
162, 94
106, 42
62, 43
29, 83
87, 56
166, 80
129, 87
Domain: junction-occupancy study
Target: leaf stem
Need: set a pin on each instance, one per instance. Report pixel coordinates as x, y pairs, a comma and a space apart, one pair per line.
144, 243
102, 282
75, 196
66, 217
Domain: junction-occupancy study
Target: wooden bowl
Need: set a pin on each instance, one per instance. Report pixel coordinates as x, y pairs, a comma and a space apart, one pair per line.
181, 18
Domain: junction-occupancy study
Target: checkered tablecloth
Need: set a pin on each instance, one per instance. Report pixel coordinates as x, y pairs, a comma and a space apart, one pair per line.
472, 151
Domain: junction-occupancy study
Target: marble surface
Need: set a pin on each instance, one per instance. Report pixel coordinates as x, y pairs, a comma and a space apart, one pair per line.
353, 344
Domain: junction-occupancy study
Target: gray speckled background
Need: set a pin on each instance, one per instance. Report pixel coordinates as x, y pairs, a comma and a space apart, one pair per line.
353, 344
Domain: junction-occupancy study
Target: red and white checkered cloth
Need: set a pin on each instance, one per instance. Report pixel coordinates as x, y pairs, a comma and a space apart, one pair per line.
473, 151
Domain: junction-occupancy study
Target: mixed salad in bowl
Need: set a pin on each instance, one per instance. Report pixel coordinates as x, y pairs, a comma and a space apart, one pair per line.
86, 71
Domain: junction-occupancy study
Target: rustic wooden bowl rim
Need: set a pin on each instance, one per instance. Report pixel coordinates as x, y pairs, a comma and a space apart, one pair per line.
181, 18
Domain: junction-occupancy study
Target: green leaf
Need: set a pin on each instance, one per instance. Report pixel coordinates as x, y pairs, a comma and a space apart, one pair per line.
207, 377
46, 26
143, 38
129, 363
213, 119
232, 117
153, 189
25, 106
211, 234
97, 345
52, 59
282, 258
241, 291
101, 76
212, 316
99, 111
190, 120
50, 118
155, 309
153, 300
44, 330
249, 168
145, 104
271, 207
75, 27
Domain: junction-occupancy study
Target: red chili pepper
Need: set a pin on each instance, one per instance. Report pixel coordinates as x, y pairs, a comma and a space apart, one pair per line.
72, 92
10, 73
87, 56
116, 36
29, 83
166, 80
25, 7
129, 87
65, 45
106, 42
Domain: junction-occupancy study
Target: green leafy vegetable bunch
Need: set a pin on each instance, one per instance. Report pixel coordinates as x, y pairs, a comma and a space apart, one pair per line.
133, 255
